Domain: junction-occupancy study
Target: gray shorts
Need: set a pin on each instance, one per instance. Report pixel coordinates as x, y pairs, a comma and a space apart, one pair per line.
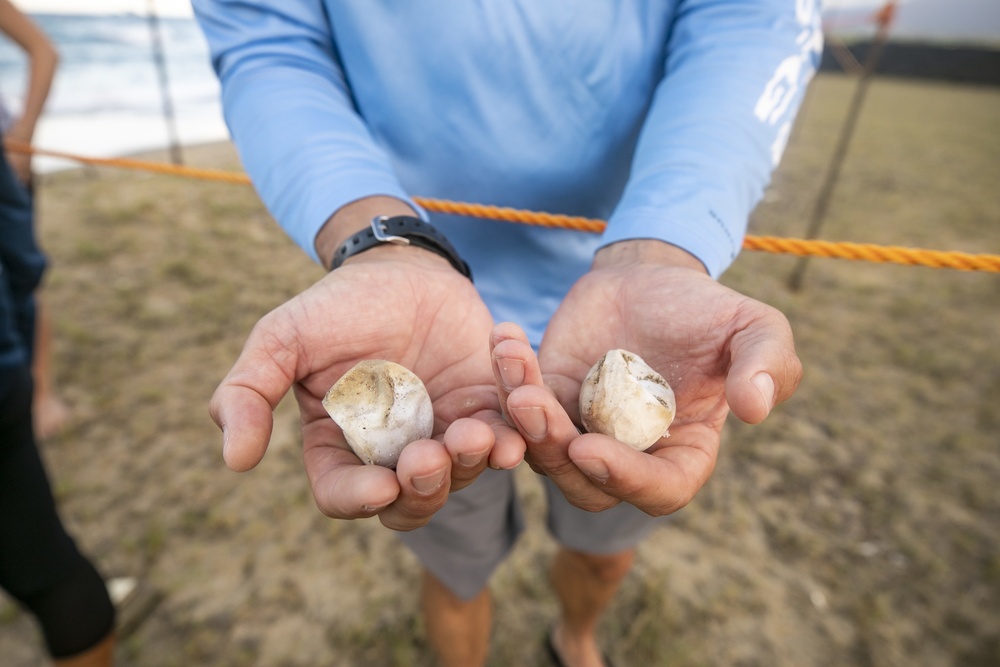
476, 529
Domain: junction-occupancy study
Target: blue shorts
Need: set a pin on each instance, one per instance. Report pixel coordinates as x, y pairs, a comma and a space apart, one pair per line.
469, 537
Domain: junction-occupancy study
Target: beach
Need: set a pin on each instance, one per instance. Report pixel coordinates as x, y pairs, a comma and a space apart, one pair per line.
858, 525
108, 98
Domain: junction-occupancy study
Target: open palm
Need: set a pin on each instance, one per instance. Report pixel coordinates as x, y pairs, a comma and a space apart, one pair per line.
717, 348
417, 312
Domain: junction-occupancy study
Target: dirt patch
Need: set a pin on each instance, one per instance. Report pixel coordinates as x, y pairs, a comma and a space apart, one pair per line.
860, 525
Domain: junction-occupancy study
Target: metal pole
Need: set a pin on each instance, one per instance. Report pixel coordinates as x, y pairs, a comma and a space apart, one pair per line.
161, 68
847, 131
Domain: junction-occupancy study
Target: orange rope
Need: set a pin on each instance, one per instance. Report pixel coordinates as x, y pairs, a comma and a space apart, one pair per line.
139, 165
537, 218
871, 252
800, 247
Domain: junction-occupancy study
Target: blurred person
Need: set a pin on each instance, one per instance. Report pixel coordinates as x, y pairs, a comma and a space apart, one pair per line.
51, 412
40, 565
666, 118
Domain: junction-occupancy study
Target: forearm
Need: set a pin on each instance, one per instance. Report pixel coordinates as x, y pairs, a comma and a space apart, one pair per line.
289, 110
43, 69
42, 58
735, 73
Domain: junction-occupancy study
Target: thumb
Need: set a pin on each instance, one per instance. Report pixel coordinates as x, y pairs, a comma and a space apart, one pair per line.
246, 421
764, 370
243, 404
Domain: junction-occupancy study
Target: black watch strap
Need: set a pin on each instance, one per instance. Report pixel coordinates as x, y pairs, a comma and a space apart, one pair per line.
400, 230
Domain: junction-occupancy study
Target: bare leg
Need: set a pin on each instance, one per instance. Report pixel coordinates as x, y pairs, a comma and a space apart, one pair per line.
459, 630
50, 412
585, 584
101, 655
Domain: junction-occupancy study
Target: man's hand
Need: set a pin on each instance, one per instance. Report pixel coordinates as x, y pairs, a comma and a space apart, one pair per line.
401, 304
718, 349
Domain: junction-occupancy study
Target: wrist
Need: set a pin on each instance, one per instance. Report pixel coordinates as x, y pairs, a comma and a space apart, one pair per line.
400, 231
22, 130
645, 251
352, 218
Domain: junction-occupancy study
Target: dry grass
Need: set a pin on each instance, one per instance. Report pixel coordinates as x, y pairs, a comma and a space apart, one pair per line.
860, 525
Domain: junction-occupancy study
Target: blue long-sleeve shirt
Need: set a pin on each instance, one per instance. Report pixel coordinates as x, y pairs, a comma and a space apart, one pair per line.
665, 118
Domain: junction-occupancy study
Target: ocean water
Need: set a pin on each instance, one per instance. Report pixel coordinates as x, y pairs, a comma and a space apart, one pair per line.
106, 99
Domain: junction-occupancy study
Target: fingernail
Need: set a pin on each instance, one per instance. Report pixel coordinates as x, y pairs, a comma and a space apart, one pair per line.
371, 510
511, 373
531, 421
428, 483
471, 459
765, 385
225, 442
595, 469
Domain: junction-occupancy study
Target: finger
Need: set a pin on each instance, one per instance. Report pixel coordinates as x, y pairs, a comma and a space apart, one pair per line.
506, 331
508, 445
567, 392
545, 426
531, 407
505, 453
343, 487
423, 472
349, 489
514, 362
658, 483
764, 370
548, 432
242, 405
540, 418
246, 421
469, 442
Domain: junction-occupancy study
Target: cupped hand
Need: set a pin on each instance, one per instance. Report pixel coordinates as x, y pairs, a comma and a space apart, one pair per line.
718, 349
400, 304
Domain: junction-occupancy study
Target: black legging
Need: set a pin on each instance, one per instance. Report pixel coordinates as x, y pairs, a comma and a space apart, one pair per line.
39, 563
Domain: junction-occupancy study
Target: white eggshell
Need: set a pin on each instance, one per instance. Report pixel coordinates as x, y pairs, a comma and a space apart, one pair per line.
624, 398
381, 407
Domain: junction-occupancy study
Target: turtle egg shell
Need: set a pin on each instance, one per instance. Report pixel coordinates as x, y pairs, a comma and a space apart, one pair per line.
622, 397
381, 407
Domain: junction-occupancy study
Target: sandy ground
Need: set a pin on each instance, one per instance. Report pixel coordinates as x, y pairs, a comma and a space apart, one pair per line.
860, 525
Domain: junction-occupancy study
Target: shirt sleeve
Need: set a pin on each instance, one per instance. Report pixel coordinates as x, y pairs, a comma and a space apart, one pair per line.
289, 111
735, 74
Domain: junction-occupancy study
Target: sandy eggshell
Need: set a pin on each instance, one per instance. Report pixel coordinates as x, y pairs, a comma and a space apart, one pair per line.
381, 407
624, 398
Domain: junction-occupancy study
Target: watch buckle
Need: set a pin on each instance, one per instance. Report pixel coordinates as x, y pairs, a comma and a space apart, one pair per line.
380, 232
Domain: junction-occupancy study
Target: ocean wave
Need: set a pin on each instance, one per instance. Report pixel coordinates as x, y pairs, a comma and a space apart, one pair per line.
107, 98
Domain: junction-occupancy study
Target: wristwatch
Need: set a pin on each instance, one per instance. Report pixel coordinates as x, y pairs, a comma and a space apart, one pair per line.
400, 230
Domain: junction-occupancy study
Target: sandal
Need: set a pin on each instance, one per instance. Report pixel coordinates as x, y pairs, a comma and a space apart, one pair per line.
550, 648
